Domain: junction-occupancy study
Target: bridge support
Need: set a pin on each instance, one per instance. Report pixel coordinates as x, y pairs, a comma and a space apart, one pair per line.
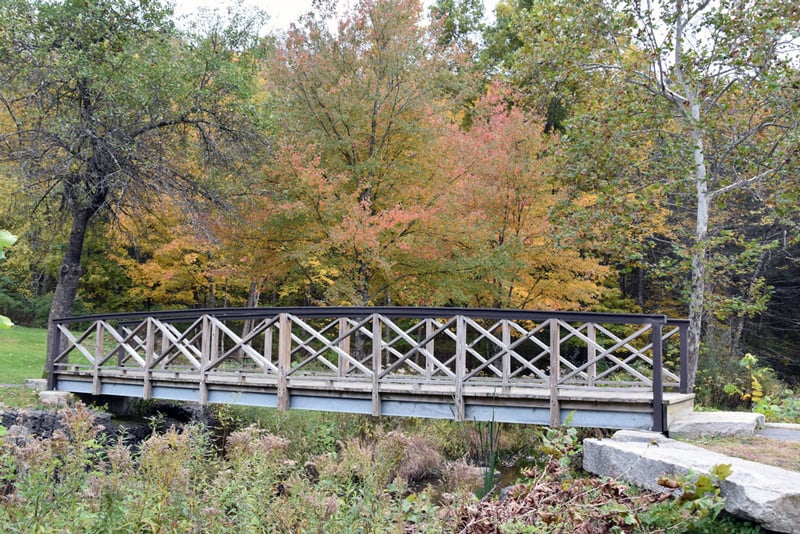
658, 380
284, 361
555, 372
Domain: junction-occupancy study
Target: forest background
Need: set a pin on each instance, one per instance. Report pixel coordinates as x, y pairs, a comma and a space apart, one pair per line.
605, 156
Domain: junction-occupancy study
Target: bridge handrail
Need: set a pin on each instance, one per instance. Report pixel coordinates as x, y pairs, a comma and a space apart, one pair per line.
137, 335
409, 312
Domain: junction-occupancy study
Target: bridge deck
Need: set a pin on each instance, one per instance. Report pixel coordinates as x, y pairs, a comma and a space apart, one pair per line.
629, 408
453, 364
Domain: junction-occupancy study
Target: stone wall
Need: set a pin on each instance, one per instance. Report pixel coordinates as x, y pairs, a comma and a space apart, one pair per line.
23, 424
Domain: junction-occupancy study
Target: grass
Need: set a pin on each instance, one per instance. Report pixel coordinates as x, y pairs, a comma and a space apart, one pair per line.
22, 354
19, 397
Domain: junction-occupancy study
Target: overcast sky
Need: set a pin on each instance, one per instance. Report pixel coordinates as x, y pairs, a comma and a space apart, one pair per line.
281, 12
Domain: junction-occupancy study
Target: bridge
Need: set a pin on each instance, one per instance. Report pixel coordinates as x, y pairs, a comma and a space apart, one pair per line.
532, 367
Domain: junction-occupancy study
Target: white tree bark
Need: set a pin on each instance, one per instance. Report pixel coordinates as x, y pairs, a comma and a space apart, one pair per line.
687, 95
698, 256
699, 54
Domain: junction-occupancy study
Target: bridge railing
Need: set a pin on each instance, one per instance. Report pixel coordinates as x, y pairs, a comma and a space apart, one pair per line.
381, 345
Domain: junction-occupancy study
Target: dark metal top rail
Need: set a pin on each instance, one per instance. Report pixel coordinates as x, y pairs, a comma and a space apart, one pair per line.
408, 312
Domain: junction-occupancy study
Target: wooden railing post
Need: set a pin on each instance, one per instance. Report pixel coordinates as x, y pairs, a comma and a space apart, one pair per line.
506, 353
461, 366
429, 347
555, 371
344, 345
205, 357
377, 352
54, 349
591, 354
683, 335
658, 381
149, 347
98, 351
284, 360
213, 355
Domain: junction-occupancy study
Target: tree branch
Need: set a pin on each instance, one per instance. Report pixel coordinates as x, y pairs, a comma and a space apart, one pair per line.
741, 183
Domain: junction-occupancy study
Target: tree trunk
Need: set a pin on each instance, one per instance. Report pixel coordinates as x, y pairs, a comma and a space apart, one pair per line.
699, 252
253, 296
69, 275
696, 309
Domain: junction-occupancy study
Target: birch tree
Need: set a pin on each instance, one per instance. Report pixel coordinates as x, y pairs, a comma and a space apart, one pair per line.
707, 90
704, 57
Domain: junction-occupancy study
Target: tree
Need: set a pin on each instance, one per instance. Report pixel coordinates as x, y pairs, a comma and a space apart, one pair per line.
504, 252
719, 81
165, 260
539, 44
100, 92
711, 57
461, 22
355, 181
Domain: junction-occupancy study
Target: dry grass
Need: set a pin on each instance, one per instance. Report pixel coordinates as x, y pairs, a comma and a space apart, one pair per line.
415, 457
461, 474
778, 453
243, 444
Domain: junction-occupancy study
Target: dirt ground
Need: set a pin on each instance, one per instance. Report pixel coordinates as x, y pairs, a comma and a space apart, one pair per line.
784, 454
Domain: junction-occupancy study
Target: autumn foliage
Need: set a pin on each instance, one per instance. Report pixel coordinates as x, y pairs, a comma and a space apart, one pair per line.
380, 153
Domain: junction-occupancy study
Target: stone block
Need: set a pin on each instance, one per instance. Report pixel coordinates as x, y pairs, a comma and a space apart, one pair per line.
702, 424
764, 494
55, 398
39, 384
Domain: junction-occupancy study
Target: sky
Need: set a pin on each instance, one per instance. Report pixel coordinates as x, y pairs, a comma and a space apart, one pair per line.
281, 12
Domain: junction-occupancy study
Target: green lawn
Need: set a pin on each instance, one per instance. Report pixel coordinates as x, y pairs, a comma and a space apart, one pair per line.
22, 354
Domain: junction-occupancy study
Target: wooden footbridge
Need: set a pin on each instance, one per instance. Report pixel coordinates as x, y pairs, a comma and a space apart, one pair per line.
606, 370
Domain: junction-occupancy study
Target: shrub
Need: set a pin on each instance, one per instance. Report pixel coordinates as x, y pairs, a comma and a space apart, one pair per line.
178, 481
412, 457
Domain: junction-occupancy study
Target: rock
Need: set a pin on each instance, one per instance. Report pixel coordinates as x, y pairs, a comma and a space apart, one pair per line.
700, 424
39, 384
511, 491
55, 398
760, 493
312, 473
18, 434
32, 424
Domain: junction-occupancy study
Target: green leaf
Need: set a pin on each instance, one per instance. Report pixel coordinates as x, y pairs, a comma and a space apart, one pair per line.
6, 240
704, 484
721, 471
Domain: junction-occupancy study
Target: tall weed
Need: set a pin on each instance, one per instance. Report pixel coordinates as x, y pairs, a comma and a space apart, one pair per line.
359, 478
